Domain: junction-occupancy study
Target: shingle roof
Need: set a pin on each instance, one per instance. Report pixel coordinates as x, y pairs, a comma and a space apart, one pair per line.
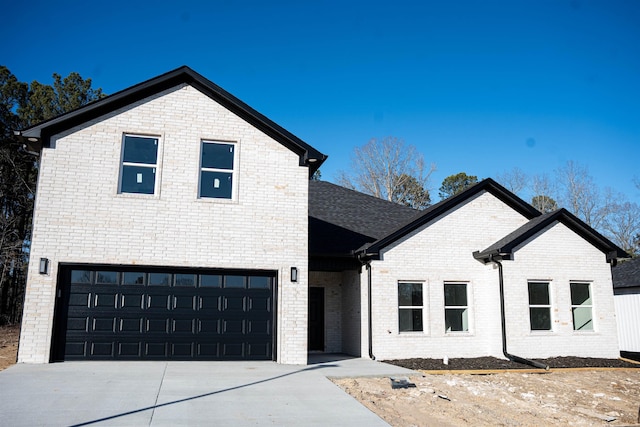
505, 246
43, 131
627, 274
342, 220
446, 205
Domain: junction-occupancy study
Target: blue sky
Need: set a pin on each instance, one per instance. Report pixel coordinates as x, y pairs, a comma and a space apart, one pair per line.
478, 86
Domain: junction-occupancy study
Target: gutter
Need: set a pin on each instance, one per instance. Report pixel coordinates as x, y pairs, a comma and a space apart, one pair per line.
509, 356
369, 309
362, 257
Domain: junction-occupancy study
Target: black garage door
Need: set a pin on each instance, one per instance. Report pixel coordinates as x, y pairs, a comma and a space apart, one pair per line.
133, 313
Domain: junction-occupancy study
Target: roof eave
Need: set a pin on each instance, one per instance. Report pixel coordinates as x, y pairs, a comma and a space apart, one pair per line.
309, 156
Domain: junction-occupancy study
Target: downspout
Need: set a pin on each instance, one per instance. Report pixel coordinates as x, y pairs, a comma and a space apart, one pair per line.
509, 356
369, 310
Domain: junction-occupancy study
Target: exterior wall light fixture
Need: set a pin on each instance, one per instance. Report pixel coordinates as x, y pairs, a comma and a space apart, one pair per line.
294, 274
44, 266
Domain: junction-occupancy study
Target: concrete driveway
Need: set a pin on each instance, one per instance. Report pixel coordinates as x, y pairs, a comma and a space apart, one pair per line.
186, 393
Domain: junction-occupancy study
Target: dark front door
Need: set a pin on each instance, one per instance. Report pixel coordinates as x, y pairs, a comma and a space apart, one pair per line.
316, 319
133, 313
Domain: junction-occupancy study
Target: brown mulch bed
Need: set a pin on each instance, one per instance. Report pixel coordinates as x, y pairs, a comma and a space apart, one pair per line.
490, 363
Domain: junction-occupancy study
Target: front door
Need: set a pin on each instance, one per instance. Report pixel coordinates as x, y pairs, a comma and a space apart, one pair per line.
316, 319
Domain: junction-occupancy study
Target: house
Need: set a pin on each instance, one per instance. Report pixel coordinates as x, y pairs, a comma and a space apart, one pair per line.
626, 290
479, 274
174, 222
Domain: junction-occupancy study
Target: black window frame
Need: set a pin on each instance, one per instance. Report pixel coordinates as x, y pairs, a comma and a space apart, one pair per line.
220, 171
129, 165
415, 308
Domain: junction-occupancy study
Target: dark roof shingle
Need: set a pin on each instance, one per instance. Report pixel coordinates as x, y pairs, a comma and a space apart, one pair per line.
627, 274
342, 220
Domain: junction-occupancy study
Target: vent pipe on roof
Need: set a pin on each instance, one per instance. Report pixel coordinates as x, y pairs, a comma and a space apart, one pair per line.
511, 357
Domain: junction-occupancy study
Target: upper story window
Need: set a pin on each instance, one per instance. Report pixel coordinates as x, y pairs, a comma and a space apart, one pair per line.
581, 307
139, 164
456, 307
217, 170
410, 304
539, 306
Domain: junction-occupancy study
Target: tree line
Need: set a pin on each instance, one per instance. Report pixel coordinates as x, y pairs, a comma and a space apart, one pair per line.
21, 106
390, 169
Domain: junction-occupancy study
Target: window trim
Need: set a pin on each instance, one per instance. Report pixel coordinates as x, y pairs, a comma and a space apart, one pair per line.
413, 307
457, 307
155, 166
233, 171
574, 306
547, 306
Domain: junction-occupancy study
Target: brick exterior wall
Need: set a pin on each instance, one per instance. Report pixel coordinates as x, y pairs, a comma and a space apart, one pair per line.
441, 252
81, 218
559, 256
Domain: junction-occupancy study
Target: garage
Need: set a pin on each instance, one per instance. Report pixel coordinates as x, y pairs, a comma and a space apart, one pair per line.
137, 313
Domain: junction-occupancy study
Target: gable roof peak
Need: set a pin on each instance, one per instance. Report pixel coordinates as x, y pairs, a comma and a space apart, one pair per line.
43, 131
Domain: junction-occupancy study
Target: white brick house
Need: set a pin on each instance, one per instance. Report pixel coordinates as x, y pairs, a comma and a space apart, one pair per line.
222, 222
172, 221
431, 286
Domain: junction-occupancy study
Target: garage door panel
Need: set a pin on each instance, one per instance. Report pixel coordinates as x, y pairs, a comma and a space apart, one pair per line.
102, 324
258, 350
75, 349
79, 299
164, 314
233, 303
232, 326
182, 350
102, 349
131, 301
208, 326
155, 350
233, 350
157, 301
260, 303
129, 349
157, 325
131, 325
184, 302
209, 303
78, 324
183, 326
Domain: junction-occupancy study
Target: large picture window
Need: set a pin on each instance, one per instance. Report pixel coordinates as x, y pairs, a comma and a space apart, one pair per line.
410, 305
139, 164
217, 169
539, 306
456, 308
581, 307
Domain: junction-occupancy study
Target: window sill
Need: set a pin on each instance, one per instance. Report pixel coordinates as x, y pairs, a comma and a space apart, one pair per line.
458, 334
138, 196
413, 334
216, 200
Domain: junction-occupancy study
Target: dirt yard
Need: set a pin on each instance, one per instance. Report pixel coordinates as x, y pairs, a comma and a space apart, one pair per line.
509, 397
576, 397
8, 345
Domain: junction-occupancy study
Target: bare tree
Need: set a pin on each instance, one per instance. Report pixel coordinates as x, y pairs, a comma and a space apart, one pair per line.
514, 180
582, 197
544, 193
388, 169
622, 225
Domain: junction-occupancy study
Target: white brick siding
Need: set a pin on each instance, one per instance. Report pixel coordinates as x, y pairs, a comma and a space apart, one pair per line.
81, 218
441, 252
560, 256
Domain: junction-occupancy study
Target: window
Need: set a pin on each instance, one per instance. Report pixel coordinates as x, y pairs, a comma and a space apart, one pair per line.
456, 310
410, 307
581, 307
216, 170
539, 306
139, 163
